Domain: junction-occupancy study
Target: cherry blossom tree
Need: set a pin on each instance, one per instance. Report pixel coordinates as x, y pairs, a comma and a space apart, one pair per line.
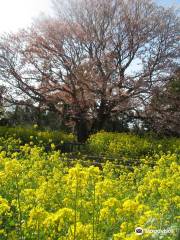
92, 60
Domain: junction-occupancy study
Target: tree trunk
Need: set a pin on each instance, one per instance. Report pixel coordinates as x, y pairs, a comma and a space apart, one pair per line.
98, 123
82, 130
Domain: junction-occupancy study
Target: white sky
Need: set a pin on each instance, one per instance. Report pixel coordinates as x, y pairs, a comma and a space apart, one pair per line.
15, 14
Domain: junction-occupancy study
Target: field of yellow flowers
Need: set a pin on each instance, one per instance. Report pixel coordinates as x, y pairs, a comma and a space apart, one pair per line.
43, 197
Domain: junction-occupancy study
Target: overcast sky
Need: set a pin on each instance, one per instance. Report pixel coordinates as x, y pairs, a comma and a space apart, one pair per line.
15, 14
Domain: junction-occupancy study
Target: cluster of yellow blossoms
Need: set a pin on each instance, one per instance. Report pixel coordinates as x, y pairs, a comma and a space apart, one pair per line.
42, 197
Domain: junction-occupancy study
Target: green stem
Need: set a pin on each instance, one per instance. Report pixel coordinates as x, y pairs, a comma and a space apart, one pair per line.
19, 208
94, 199
75, 209
38, 230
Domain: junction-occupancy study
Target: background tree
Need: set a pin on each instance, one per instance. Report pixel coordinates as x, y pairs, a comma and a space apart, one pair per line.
164, 110
94, 60
2, 110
